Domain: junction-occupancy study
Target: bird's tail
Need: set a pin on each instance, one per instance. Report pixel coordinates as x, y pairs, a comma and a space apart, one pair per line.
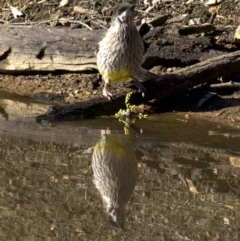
143, 75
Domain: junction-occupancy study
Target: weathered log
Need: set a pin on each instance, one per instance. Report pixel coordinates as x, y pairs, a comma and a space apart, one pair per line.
35, 49
162, 87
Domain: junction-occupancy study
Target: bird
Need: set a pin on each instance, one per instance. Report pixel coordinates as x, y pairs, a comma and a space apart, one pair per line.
115, 174
120, 52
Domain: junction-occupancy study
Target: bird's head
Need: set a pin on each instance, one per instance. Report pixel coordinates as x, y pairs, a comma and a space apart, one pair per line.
116, 216
124, 14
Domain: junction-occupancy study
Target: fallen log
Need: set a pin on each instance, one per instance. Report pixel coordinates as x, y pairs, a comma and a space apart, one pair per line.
161, 87
31, 50
34, 49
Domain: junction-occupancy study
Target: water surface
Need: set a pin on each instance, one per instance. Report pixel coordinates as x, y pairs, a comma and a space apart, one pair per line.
187, 187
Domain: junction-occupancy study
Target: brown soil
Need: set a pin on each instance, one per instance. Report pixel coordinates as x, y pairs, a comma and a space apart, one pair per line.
71, 88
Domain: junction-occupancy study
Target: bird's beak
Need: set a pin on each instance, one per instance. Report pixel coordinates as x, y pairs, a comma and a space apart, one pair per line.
130, 9
132, 6
116, 217
124, 18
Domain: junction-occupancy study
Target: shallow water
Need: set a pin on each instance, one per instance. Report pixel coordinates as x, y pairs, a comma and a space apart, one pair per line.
187, 187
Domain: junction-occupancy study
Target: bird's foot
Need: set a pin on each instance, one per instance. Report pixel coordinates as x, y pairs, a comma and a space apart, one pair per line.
106, 93
105, 132
140, 87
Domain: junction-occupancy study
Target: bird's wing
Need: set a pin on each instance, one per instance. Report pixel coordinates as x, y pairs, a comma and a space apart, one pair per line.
143, 75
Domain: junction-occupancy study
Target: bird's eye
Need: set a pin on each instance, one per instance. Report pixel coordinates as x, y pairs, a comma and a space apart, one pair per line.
119, 12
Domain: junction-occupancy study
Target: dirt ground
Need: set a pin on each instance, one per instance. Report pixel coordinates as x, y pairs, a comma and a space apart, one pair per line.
77, 87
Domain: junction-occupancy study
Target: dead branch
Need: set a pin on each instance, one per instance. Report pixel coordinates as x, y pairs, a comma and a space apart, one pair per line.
230, 84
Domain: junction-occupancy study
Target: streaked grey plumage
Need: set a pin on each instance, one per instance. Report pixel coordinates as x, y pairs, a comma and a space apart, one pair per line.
121, 50
115, 174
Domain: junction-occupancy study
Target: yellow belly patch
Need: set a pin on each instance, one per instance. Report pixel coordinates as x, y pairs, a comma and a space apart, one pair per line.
113, 148
118, 76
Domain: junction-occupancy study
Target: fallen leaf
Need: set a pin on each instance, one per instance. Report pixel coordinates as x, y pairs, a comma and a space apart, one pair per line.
235, 161
63, 3
229, 206
16, 13
190, 185
212, 2
226, 221
237, 34
81, 10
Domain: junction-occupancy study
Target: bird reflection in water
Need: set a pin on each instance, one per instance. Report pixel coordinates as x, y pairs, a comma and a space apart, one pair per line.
115, 174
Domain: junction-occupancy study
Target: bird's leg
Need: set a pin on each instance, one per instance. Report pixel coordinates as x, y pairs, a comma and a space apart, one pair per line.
104, 133
139, 85
105, 89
